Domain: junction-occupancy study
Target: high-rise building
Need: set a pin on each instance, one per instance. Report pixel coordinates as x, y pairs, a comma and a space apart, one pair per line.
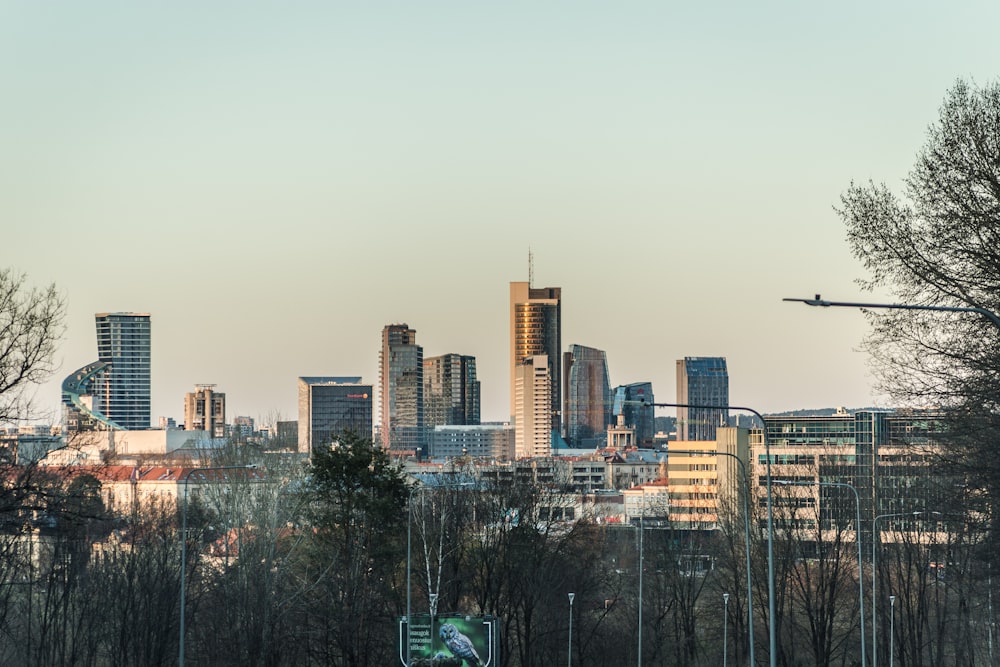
702, 381
587, 396
123, 342
634, 402
330, 406
401, 382
532, 408
451, 391
536, 330
205, 410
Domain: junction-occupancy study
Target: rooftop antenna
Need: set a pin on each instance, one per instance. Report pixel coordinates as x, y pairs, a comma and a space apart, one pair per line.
531, 268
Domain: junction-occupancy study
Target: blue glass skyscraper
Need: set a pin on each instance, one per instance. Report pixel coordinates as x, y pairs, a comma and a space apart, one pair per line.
702, 381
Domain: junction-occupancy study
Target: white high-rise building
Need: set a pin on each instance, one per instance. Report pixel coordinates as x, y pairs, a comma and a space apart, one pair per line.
123, 342
532, 408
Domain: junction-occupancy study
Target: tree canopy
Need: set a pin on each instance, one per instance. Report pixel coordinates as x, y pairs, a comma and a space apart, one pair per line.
937, 243
31, 324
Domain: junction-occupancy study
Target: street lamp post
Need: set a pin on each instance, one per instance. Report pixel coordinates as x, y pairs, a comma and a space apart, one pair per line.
642, 532
180, 649
823, 303
725, 629
857, 532
569, 652
746, 528
772, 639
993, 317
409, 552
875, 541
892, 624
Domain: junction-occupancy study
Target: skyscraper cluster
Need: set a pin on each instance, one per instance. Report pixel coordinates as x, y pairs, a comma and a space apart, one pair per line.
558, 399
581, 404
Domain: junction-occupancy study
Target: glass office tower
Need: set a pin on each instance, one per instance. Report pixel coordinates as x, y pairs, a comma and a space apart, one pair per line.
123, 342
401, 377
702, 381
587, 411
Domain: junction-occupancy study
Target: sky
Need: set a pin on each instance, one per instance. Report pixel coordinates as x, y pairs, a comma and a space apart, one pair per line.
275, 182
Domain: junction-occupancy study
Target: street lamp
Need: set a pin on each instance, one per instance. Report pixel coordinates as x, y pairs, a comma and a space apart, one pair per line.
823, 303
875, 541
184, 516
725, 629
892, 623
569, 653
642, 532
409, 541
772, 638
993, 317
746, 528
857, 532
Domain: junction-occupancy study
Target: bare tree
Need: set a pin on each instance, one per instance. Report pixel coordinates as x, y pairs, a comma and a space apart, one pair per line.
938, 245
31, 324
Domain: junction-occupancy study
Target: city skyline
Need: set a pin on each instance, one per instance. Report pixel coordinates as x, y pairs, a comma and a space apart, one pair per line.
273, 186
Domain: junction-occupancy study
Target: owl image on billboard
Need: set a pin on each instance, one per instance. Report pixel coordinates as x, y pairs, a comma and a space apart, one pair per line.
450, 641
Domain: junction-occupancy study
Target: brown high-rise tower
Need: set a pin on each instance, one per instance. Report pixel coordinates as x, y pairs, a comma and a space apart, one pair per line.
536, 329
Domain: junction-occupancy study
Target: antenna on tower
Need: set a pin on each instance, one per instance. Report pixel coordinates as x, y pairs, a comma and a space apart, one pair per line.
531, 268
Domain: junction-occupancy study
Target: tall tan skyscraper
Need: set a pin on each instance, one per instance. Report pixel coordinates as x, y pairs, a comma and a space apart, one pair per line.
532, 408
536, 329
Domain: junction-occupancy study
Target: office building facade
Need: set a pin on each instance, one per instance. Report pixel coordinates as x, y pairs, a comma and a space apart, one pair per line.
702, 381
123, 343
888, 457
536, 330
483, 441
330, 406
401, 383
451, 391
587, 396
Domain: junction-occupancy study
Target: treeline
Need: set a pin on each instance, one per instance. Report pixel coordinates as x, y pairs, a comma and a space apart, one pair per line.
311, 568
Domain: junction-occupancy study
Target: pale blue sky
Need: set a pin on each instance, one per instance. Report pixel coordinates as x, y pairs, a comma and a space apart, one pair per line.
275, 182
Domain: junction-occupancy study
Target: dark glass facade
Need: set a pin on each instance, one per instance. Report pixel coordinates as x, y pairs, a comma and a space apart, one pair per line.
628, 402
401, 374
587, 394
329, 406
702, 381
451, 391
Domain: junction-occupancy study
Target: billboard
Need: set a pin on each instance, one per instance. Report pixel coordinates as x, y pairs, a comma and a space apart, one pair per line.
450, 641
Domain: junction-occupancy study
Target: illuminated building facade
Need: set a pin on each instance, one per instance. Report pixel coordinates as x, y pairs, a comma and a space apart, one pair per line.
536, 330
